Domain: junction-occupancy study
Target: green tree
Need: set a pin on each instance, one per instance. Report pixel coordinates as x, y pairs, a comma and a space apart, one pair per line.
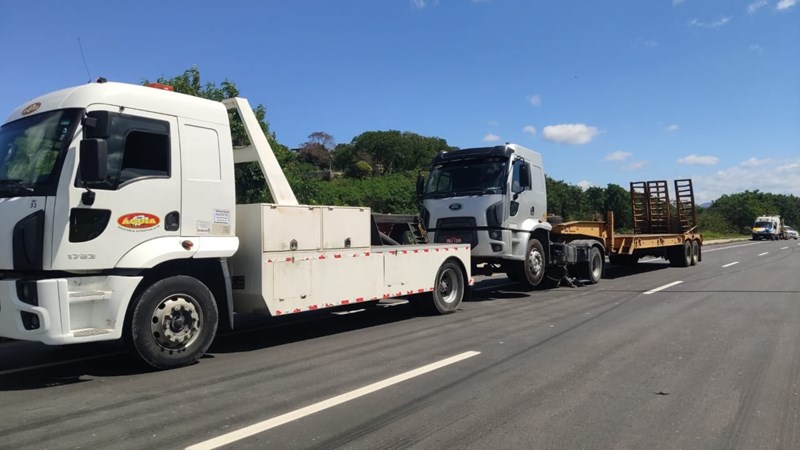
618, 201
250, 184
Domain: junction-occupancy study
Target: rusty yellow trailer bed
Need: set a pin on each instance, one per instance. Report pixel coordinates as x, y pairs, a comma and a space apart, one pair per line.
681, 249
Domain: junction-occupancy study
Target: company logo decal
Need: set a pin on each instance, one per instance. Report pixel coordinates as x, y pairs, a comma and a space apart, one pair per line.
455, 206
31, 108
138, 221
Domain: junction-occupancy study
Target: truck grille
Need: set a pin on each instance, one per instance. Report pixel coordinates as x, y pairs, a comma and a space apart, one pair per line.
456, 230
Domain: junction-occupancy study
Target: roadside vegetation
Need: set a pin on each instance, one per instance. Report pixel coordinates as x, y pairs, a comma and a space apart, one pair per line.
378, 169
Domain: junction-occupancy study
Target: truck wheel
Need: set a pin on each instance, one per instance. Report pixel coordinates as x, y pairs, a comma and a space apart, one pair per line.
173, 322
592, 270
680, 255
448, 290
695, 252
534, 265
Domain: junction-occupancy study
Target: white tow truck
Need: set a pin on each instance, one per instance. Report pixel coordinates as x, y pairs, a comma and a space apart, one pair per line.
118, 220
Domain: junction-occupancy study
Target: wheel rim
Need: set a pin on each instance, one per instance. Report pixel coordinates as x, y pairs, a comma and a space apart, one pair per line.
597, 266
448, 285
176, 322
535, 263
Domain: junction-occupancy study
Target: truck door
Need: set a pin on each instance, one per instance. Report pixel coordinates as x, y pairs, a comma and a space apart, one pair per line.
528, 197
139, 201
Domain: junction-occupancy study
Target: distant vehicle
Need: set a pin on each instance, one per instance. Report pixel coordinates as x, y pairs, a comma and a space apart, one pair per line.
791, 233
768, 228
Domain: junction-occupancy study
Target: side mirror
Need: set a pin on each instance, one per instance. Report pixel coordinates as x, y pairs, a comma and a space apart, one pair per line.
96, 124
94, 160
420, 184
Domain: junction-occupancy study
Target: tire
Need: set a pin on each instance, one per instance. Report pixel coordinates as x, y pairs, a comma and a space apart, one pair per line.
157, 337
592, 270
681, 255
448, 292
695, 252
535, 264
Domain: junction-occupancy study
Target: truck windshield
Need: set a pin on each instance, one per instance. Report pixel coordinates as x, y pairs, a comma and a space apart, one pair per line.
31, 150
467, 178
763, 225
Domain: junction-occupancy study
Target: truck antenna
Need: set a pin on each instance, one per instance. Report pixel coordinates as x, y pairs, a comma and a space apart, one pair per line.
86, 66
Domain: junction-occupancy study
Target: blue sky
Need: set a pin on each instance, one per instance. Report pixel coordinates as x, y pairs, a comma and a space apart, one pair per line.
608, 92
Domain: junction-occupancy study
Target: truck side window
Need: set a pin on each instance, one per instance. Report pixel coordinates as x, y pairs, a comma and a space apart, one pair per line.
538, 179
138, 148
516, 183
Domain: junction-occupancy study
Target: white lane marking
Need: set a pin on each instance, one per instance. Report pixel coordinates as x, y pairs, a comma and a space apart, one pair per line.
731, 264
674, 283
762, 254
732, 246
58, 363
260, 427
784, 248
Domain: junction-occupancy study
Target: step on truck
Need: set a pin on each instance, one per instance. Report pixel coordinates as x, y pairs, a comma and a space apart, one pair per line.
118, 220
495, 200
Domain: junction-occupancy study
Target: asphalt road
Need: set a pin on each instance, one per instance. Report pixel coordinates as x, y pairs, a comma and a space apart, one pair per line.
710, 362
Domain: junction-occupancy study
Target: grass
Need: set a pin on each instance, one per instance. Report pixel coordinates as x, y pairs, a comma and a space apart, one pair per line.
709, 235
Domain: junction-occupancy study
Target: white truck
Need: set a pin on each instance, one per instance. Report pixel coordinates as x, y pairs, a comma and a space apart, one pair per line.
495, 200
118, 220
768, 228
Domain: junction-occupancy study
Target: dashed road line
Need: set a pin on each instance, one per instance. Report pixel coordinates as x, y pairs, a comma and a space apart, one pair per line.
260, 427
784, 248
762, 254
731, 264
661, 288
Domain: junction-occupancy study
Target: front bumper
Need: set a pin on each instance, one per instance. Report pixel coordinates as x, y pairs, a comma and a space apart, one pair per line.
66, 310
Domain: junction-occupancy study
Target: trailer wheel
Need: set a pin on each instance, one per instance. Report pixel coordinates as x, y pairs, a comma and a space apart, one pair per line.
448, 290
680, 255
173, 322
695, 252
533, 267
592, 270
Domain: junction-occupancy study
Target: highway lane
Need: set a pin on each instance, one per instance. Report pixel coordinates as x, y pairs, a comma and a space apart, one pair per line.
712, 362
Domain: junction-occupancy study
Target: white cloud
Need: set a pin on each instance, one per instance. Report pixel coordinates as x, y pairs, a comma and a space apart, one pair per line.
530, 129
584, 184
493, 123
755, 162
634, 166
646, 42
715, 24
756, 48
618, 156
491, 138
677, 2
535, 100
420, 4
697, 160
756, 5
785, 4
672, 128
569, 133
774, 176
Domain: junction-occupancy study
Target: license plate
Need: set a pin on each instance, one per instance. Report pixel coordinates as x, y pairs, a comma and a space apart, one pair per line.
453, 240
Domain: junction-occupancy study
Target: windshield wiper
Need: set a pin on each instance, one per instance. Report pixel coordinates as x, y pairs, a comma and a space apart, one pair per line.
14, 186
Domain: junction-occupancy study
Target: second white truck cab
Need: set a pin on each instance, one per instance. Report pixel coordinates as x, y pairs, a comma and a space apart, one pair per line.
495, 200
